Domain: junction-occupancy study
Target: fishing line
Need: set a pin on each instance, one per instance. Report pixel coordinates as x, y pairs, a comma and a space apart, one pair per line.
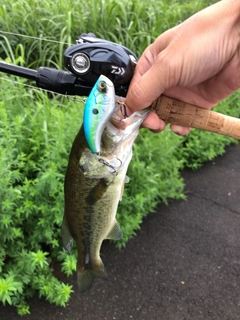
74, 98
31, 37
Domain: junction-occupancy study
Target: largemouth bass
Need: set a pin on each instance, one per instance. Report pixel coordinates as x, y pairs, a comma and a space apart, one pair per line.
94, 186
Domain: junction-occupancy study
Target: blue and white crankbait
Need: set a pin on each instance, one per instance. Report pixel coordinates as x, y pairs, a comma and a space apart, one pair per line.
98, 110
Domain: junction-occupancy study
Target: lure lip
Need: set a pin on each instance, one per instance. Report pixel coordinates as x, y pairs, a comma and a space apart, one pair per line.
98, 110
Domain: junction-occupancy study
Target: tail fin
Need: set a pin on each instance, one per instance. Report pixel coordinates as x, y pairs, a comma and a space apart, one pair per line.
85, 277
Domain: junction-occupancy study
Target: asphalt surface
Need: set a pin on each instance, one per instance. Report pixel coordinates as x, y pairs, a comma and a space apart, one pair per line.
184, 263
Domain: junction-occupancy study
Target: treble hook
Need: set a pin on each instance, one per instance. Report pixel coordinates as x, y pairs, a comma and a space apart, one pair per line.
103, 161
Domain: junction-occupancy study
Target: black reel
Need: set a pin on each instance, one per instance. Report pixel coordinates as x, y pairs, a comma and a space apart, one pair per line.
92, 56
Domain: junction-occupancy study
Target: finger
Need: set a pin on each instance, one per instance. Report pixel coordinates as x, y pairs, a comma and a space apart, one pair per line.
153, 123
148, 77
150, 54
181, 131
147, 89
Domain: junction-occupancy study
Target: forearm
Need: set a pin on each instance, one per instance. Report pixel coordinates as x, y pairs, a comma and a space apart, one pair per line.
224, 12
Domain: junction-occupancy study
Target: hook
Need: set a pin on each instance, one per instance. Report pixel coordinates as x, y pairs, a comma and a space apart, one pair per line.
106, 163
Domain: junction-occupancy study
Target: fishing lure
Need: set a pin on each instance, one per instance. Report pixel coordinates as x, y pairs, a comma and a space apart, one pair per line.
98, 110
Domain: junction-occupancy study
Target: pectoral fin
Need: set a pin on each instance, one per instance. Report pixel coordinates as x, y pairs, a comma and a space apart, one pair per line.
67, 238
126, 180
115, 233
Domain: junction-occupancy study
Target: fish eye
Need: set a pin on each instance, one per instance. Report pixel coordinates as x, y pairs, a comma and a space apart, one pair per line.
95, 111
102, 86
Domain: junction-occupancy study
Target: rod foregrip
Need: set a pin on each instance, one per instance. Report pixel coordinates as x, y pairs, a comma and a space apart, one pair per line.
187, 115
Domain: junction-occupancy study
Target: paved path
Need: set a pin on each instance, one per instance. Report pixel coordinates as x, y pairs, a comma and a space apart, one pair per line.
184, 263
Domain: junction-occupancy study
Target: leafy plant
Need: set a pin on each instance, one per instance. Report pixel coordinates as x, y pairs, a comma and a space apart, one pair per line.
154, 176
34, 152
199, 146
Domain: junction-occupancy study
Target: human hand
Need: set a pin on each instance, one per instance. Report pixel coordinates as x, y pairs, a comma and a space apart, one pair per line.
197, 62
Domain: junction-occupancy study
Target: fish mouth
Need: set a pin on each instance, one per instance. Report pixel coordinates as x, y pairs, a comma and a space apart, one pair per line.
122, 116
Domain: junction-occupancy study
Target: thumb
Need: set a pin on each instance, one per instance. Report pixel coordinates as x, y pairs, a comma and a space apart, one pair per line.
144, 91
156, 70
151, 78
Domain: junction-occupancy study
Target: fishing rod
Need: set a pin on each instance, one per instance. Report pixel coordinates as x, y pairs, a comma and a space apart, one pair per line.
91, 57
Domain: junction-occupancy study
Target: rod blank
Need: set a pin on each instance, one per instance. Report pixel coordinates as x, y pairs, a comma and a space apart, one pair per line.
18, 71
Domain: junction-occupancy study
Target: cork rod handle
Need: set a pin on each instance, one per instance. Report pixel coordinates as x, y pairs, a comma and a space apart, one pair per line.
177, 112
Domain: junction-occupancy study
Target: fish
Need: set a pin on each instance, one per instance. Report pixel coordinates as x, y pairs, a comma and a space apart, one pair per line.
94, 186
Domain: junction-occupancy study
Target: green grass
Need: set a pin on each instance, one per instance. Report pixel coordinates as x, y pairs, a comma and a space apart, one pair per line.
37, 130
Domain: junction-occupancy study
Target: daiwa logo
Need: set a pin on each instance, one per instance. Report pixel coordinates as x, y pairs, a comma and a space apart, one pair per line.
118, 70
